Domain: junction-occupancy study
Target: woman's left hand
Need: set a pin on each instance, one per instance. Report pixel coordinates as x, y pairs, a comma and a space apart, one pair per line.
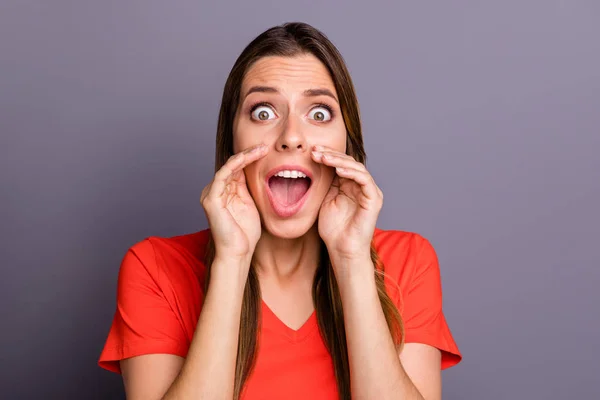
350, 209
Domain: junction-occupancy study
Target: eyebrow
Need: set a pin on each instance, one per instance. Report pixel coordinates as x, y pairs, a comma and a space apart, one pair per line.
307, 92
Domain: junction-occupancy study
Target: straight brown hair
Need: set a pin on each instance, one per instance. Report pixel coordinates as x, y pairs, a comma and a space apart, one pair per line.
289, 40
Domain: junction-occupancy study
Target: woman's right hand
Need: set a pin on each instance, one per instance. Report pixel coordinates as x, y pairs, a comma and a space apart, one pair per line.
230, 209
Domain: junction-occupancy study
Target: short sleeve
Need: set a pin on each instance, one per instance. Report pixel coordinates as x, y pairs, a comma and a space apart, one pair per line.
144, 322
423, 318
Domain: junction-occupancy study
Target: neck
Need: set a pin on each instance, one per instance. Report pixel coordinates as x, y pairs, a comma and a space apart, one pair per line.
287, 260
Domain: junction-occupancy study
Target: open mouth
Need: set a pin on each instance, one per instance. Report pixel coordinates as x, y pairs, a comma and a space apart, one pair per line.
287, 191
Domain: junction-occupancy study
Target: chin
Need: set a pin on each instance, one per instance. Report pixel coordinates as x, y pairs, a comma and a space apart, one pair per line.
289, 228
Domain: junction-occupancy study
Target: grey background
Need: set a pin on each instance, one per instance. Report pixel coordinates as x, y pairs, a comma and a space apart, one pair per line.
482, 127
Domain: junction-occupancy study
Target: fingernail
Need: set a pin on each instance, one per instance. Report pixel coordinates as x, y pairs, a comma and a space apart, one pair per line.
317, 154
317, 147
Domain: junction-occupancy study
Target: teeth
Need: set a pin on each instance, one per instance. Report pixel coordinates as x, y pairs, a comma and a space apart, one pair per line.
290, 174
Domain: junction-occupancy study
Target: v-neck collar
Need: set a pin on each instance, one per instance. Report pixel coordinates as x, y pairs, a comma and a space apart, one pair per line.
273, 323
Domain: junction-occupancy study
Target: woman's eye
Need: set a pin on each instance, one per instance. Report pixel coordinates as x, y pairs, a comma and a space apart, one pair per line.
263, 113
320, 114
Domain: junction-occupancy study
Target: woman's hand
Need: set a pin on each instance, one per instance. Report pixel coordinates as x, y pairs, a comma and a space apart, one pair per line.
232, 215
350, 209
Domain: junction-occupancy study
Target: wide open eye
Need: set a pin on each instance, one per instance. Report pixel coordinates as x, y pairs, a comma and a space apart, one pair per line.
263, 113
320, 114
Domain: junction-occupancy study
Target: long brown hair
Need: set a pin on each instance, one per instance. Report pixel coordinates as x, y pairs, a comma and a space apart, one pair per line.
289, 40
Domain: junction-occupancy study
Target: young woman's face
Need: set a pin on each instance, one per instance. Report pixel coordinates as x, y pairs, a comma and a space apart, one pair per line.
290, 104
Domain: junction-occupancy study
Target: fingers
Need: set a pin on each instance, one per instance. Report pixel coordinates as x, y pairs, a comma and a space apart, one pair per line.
329, 151
234, 165
347, 167
336, 159
364, 179
240, 160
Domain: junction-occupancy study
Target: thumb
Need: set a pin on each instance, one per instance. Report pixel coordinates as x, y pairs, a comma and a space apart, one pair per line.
333, 192
242, 189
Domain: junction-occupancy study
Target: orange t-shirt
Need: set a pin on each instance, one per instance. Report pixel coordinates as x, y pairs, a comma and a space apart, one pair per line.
159, 298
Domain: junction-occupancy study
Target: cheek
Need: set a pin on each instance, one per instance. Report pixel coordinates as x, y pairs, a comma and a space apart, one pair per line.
242, 135
246, 135
239, 142
251, 173
251, 182
334, 138
328, 174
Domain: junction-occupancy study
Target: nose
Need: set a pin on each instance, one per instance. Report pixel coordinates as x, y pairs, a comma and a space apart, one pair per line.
291, 138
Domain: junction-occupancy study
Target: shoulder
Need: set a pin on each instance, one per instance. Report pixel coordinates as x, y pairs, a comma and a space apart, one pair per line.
398, 247
171, 258
159, 297
405, 256
413, 281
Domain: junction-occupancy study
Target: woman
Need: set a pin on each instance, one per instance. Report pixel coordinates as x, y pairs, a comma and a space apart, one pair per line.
301, 296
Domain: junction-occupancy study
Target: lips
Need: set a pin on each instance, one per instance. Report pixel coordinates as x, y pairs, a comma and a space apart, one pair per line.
288, 194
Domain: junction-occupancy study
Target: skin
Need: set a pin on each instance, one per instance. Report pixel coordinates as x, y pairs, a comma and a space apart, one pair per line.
342, 209
285, 254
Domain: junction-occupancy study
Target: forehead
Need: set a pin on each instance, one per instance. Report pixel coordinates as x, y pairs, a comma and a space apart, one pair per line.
297, 73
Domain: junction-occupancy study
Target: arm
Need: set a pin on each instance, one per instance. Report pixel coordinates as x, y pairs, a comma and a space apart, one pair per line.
376, 370
209, 369
346, 224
